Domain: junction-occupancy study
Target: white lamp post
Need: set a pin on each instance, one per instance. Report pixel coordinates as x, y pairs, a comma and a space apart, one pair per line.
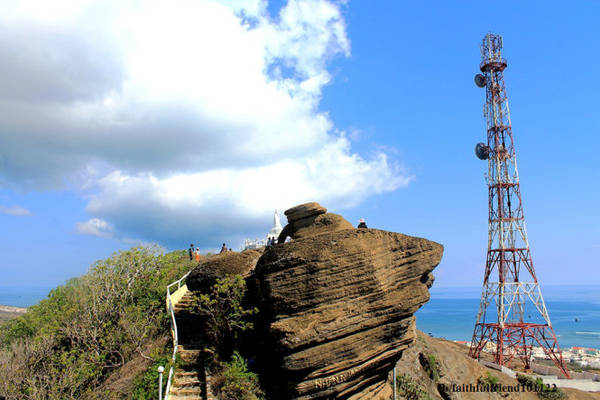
161, 369
394, 382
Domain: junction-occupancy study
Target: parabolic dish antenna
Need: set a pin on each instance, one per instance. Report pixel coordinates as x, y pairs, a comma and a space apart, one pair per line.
480, 80
482, 151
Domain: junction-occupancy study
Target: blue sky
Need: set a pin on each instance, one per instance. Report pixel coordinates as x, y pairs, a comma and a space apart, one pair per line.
113, 132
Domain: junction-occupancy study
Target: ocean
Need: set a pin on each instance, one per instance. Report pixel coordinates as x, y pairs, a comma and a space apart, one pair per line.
574, 312
451, 312
19, 296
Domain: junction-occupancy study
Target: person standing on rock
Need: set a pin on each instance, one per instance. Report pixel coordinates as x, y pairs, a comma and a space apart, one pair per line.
197, 253
362, 224
191, 251
223, 249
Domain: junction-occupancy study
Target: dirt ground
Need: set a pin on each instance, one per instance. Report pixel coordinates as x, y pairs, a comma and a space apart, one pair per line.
7, 312
453, 366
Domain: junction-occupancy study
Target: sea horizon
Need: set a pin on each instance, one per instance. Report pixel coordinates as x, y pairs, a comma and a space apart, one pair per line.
451, 311
23, 296
574, 311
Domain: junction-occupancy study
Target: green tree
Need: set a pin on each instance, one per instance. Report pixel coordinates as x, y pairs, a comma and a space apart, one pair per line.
226, 316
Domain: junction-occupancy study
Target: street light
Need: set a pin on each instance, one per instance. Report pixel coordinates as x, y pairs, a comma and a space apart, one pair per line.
394, 382
161, 369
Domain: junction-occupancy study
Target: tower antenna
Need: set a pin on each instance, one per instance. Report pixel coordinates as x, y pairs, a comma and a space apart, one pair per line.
501, 327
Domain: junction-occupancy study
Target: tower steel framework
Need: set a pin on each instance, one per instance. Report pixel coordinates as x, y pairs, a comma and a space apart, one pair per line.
505, 325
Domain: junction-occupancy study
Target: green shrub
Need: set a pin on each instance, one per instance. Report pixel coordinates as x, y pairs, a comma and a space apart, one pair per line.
542, 390
68, 344
146, 384
227, 317
430, 365
236, 382
409, 389
489, 380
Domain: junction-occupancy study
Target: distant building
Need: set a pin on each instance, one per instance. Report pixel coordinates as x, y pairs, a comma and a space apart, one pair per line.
276, 229
273, 233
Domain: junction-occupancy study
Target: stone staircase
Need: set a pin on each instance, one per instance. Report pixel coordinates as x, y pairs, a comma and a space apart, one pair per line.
190, 380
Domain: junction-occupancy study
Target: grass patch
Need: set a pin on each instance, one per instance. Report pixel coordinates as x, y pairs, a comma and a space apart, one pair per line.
430, 366
410, 390
489, 380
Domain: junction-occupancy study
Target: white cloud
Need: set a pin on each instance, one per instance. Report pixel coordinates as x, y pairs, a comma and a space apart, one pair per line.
95, 227
15, 211
177, 120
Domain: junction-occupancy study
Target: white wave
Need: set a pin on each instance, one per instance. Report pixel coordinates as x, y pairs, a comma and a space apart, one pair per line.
587, 333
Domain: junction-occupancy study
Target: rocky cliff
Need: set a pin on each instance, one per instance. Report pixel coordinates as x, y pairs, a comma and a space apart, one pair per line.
220, 265
336, 304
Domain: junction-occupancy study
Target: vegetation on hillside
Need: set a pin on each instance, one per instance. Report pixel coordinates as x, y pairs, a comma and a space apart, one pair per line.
226, 317
66, 346
234, 381
226, 320
543, 391
409, 389
6, 315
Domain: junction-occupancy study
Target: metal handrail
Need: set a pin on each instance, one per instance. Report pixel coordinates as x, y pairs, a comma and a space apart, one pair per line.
173, 331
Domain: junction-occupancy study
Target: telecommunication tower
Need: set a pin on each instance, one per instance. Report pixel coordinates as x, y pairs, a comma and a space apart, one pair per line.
512, 314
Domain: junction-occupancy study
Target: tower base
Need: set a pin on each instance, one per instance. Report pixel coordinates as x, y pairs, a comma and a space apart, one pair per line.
516, 339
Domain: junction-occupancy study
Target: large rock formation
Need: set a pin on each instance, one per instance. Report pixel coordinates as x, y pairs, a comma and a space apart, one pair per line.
220, 265
336, 305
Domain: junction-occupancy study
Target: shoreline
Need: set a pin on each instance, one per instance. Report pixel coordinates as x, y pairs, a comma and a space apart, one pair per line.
12, 309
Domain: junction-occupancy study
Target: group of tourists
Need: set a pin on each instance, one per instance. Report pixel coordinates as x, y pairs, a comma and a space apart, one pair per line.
194, 253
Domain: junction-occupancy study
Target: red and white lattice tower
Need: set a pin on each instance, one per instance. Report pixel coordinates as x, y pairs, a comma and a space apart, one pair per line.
512, 314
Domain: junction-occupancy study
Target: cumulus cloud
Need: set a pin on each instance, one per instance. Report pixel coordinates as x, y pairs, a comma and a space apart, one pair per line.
187, 120
15, 211
95, 227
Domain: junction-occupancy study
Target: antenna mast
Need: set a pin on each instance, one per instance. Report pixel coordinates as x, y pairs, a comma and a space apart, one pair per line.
512, 314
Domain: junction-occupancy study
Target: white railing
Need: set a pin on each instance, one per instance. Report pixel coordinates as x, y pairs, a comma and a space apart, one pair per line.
173, 331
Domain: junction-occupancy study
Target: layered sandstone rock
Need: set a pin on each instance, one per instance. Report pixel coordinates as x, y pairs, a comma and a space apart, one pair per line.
220, 265
309, 219
336, 306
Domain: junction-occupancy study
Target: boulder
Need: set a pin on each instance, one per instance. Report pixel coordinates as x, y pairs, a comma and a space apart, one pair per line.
336, 306
304, 211
310, 219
